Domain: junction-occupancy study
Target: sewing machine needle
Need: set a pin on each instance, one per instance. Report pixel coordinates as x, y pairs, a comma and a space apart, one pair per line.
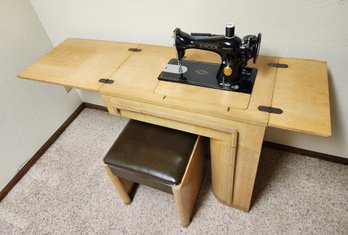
180, 67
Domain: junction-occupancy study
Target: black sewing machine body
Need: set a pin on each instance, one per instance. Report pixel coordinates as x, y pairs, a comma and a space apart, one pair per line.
232, 74
204, 74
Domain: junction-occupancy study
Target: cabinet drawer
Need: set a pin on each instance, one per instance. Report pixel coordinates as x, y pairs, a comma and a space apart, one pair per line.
170, 118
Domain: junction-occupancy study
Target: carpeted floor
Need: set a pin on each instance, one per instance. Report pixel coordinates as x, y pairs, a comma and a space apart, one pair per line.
68, 192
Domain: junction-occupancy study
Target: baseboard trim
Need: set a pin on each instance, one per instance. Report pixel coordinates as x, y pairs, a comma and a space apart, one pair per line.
95, 106
40, 152
308, 153
84, 105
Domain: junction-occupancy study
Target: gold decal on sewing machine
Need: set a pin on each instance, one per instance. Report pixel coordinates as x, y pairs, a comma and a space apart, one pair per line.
201, 72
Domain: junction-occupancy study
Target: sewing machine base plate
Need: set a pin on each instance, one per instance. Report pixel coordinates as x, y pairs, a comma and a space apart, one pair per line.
204, 74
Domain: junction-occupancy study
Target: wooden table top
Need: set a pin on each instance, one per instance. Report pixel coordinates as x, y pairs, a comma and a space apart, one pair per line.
301, 90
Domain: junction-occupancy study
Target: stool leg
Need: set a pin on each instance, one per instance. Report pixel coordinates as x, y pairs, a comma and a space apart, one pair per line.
186, 193
122, 186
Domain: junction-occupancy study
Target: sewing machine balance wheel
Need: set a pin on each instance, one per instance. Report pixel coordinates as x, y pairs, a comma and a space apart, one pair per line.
257, 49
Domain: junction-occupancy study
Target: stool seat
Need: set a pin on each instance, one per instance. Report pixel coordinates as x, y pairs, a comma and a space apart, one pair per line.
157, 157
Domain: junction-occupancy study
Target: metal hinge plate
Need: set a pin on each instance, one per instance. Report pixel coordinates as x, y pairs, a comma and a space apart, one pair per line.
277, 65
134, 49
270, 109
106, 81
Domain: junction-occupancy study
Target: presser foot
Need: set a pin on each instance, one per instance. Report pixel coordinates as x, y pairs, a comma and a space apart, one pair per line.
175, 69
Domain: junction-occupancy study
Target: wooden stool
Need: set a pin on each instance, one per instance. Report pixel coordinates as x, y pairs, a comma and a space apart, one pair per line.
161, 158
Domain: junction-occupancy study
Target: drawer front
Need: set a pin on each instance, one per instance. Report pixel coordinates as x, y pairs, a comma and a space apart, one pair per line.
165, 117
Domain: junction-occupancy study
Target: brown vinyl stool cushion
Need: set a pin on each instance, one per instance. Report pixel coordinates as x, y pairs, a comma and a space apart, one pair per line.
151, 155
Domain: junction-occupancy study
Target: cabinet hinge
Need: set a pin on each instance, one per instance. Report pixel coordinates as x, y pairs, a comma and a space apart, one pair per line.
277, 65
134, 49
270, 109
106, 81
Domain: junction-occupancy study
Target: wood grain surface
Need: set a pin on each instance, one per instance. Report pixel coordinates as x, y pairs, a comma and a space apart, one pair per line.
79, 63
185, 194
302, 92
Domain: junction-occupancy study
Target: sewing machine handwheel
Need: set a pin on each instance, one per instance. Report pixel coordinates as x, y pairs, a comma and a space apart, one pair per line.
257, 49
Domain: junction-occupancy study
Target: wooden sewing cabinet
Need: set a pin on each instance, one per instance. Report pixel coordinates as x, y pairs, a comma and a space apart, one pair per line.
233, 121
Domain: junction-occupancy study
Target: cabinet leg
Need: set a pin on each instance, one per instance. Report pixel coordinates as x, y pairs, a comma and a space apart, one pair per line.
234, 170
222, 168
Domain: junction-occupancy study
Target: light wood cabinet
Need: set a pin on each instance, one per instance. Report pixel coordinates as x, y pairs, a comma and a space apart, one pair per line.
233, 121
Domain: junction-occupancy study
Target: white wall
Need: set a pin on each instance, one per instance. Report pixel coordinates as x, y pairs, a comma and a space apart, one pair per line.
30, 112
307, 29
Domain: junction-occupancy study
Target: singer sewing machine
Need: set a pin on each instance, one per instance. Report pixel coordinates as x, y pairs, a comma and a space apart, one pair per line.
232, 74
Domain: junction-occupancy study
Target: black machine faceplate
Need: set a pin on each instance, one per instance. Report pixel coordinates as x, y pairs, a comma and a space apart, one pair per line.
204, 74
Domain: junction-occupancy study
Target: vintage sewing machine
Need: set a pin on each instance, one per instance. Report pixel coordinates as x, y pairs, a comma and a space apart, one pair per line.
232, 74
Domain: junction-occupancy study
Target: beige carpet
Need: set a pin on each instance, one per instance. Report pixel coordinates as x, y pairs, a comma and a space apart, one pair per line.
67, 192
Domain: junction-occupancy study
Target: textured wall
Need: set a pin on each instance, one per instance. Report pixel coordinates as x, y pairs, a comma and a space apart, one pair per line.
307, 29
30, 112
